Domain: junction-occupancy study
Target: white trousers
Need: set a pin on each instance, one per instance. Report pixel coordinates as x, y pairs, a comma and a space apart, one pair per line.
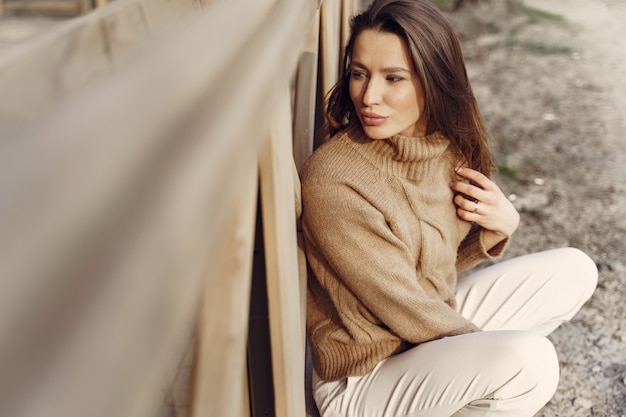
508, 369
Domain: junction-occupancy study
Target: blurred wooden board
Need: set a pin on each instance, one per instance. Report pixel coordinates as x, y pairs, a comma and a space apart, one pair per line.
43, 70
281, 258
55, 7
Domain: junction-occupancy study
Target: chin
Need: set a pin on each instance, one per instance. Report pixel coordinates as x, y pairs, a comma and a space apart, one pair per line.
376, 133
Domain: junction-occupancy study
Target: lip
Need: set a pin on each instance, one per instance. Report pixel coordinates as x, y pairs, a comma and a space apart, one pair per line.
372, 119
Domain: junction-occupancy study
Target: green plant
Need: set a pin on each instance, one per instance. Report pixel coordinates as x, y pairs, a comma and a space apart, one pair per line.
442, 4
507, 171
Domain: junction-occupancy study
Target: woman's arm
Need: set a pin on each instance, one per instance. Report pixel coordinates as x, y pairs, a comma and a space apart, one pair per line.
349, 243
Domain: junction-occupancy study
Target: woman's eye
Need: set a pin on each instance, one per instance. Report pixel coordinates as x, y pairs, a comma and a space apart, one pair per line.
357, 74
394, 78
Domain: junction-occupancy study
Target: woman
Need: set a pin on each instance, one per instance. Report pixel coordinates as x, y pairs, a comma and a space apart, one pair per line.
395, 203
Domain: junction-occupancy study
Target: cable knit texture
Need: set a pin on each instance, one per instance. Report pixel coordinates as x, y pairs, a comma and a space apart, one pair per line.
384, 245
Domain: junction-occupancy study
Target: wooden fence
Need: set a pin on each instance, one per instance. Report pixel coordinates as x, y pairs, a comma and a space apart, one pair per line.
135, 142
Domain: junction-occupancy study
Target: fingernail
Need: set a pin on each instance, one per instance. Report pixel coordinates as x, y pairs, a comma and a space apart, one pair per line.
458, 169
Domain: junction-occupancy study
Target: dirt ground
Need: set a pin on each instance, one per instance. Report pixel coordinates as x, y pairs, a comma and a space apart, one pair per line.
550, 77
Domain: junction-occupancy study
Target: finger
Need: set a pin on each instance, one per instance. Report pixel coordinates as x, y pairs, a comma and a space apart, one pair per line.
476, 177
468, 215
469, 191
463, 203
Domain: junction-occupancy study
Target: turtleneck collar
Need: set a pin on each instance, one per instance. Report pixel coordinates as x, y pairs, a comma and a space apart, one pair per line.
406, 156
417, 148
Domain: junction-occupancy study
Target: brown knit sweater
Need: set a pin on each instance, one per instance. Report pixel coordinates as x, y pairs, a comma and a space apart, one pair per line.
384, 244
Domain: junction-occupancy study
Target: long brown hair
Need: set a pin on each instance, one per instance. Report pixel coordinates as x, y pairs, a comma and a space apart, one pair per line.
450, 105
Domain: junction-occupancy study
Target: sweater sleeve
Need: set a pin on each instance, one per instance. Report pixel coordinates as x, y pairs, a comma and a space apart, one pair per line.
349, 242
472, 251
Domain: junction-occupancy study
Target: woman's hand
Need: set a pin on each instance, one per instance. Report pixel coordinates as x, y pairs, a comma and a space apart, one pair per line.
483, 203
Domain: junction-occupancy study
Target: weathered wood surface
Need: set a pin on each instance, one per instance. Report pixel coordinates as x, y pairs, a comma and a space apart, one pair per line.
305, 103
115, 212
330, 39
36, 74
283, 286
51, 7
220, 385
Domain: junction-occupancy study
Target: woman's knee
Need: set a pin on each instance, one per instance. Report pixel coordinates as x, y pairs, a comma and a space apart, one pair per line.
582, 272
536, 360
577, 271
513, 352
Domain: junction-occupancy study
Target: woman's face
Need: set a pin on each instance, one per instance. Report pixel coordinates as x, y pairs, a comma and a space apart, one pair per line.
384, 87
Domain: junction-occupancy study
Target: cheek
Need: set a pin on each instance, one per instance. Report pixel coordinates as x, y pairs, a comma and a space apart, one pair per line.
420, 95
408, 102
354, 91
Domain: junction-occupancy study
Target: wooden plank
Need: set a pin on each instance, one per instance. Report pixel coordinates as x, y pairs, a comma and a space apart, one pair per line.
86, 5
223, 318
279, 228
125, 214
177, 397
63, 7
305, 96
30, 83
304, 138
36, 74
302, 262
330, 38
311, 407
348, 8
134, 325
163, 14
125, 31
141, 21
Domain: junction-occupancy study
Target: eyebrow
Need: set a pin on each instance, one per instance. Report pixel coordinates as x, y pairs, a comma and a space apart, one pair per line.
385, 70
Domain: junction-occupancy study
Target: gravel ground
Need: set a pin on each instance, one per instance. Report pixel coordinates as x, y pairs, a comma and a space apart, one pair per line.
551, 80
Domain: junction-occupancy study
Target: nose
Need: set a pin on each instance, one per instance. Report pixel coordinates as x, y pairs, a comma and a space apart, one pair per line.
373, 93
